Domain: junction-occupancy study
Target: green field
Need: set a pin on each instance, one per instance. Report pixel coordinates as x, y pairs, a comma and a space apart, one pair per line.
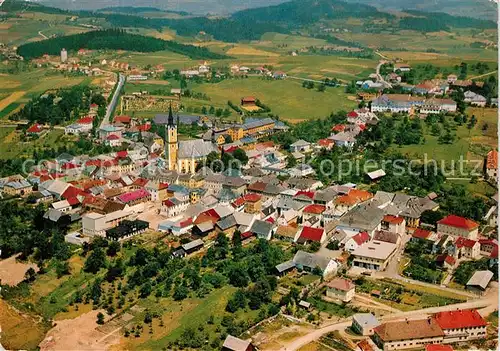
471, 144
286, 98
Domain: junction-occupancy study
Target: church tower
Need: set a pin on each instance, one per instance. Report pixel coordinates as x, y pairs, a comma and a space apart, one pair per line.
172, 145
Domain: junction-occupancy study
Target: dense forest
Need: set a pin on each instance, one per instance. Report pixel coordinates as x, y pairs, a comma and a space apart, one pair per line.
115, 39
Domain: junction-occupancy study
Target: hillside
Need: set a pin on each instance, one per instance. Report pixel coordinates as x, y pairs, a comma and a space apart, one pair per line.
112, 39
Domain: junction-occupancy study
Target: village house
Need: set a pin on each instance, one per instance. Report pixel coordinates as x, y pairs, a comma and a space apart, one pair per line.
356, 241
232, 343
300, 146
467, 248
96, 224
458, 226
310, 234
395, 103
446, 262
461, 325
364, 323
173, 207
436, 106
17, 188
309, 261
374, 255
474, 99
341, 289
135, 197
408, 334
402, 67
394, 224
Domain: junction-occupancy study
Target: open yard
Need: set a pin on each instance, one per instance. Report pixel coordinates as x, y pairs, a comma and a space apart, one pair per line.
12, 271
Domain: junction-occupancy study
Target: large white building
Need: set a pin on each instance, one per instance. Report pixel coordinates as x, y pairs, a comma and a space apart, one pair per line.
96, 224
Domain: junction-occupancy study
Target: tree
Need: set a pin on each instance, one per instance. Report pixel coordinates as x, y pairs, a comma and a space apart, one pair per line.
237, 301
113, 248
290, 161
241, 156
317, 271
95, 261
62, 268
321, 88
180, 292
100, 318
30, 275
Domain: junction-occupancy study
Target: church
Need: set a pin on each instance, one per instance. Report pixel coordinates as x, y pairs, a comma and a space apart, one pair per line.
183, 156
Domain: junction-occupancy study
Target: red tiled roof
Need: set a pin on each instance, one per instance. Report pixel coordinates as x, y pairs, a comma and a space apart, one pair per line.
459, 319
309, 194
438, 347
35, 128
346, 200
315, 209
459, 222
338, 128
257, 186
494, 253
122, 154
361, 238
252, 197
71, 191
73, 201
186, 222
122, 119
144, 127
238, 202
248, 99
446, 258
141, 182
96, 163
361, 195
420, 233
352, 114
270, 220
231, 149
313, 234
464, 242
113, 137
69, 165
246, 235
85, 120
393, 219
168, 203
325, 142
492, 160
94, 105
341, 284
134, 195
364, 345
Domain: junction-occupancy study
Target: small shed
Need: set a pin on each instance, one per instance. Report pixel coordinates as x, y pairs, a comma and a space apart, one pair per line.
479, 281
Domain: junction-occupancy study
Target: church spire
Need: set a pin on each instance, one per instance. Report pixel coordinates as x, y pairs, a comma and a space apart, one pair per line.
170, 116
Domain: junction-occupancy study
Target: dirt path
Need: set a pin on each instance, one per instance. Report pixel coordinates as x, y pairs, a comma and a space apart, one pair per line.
11, 98
484, 75
79, 334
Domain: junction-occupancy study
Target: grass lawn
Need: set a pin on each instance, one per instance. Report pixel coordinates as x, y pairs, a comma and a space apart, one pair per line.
286, 98
471, 144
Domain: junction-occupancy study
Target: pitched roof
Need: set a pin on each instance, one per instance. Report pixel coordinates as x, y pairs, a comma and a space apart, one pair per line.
492, 160
315, 209
309, 194
459, 222
446, 258
459, 319
134, 195
310, 233
35, 128
393, 219
420, 233
386, 236
251, 197
408, 330
286, 231
480, 278
85, 120
261, 227
311, 260
464, 242
341, 284
361, 238
235, 344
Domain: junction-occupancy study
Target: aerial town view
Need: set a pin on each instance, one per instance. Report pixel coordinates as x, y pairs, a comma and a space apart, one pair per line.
280, 175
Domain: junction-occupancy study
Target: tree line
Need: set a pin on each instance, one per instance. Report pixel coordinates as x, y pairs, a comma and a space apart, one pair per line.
113, 39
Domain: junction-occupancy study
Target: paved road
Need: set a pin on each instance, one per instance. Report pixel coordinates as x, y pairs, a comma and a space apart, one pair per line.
114, 100
487, 301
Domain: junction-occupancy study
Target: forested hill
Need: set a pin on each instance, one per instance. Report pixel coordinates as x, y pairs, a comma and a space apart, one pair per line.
302, 12
114, 39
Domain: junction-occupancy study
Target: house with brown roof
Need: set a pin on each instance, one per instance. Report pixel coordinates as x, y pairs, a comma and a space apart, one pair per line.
408, 334
341, 289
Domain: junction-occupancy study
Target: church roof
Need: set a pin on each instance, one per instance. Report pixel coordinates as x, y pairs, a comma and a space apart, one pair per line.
196, 148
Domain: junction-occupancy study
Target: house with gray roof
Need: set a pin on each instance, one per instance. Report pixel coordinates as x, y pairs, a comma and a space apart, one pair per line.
309, 261
362, 218
262, 229
301, 146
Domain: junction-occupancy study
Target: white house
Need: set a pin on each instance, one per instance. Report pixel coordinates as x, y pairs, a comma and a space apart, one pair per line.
173, 207
341, 289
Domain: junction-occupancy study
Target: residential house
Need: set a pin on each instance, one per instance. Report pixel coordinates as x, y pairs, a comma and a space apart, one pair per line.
96, 224
446, 261
18, 188
474, 99
394, 224
387, 237
158, 190
356, 241
35, 129
135, 197
436, 106
408, 334
365, 217
301, 146
467, 248
126, 229
401, 67
232, 343
309, 261
262, 229
461, 325
374, 255
341, 289
173, 207
253, 203
488, 246
287, 233
309, 234
458, 226
176, 226
364, 323
313, 211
